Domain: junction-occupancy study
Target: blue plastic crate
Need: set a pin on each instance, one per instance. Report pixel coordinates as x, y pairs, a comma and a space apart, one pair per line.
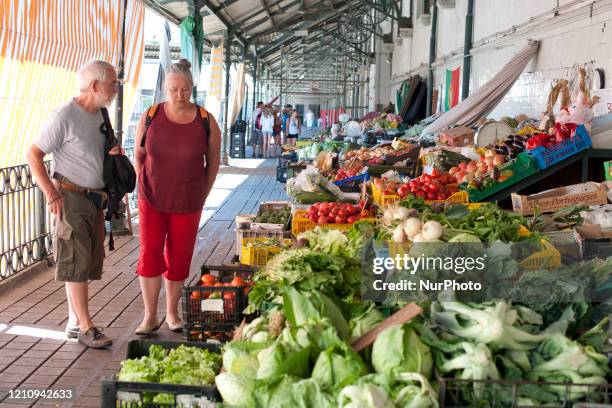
561, 151
360, 178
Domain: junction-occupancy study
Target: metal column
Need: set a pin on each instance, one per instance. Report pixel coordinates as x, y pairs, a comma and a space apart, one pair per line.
467, 48
432, 58
225, 133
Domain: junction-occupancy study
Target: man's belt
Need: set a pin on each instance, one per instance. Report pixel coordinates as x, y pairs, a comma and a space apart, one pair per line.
98, 197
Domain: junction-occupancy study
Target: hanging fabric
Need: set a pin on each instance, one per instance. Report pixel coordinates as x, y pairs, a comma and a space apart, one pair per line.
488, 96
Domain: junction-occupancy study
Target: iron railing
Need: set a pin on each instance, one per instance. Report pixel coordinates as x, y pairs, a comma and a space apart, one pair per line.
25, 224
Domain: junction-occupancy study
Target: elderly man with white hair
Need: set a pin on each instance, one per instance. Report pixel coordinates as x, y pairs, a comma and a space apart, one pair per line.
75, 195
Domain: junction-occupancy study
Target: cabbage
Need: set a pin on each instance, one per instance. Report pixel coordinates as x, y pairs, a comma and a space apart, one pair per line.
398, 348
236, 390
304, 307
365, 396
292, 392
240, 357
365, 322
413, 395
464, 238
336, 369
280, 359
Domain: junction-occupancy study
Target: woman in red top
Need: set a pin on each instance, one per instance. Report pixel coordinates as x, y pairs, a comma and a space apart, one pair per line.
176, 170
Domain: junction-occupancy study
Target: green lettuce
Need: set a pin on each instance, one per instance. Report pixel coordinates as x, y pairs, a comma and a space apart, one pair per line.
399, 349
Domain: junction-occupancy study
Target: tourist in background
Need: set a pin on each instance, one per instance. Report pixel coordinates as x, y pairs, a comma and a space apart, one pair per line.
267, 129
310, 120
293, 128
256, 137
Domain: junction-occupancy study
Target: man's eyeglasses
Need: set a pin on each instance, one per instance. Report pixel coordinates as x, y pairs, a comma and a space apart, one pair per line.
115, 84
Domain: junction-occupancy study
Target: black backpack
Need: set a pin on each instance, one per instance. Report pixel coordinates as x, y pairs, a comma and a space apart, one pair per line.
119, 175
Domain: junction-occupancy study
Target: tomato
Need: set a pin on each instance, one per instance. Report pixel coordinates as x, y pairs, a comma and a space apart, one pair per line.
341, 213
324, 206
331, 219
433, 188
314, 217
196, 294
322, 219
324, 211
421, 193
431, 196
388, 191
207, 280
441, 196
237, 281
351, 219
229, 295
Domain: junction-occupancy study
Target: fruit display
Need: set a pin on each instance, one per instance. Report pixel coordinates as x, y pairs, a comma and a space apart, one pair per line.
210, 282
479, 170
337, 213
435, 186
382, 155
350, 168
510, 147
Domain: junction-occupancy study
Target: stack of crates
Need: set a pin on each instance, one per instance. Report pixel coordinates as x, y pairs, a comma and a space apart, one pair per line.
237, 148
283, 163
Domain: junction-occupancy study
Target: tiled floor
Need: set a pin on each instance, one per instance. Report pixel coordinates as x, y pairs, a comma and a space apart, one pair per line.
33, 352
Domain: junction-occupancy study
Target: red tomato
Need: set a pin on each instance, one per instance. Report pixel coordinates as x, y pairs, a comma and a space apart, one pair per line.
340, 219
322, 220
229, 295
354, 210
207, 280
196, 294
388, 191
441, 196
431, 196
323, 211
433, 188
351, 219
237, 281
421, 193
324, 206
435, 173
342, 212
331, 219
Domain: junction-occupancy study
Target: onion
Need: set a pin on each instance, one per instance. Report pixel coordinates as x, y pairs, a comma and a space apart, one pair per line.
401, 213
412, 226
418, 238
432, 230
399, 235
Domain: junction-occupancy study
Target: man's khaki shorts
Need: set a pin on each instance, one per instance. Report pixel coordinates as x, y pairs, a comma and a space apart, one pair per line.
78, 240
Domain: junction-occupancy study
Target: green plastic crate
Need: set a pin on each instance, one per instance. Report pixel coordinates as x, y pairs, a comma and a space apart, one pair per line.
608, 170
523, 167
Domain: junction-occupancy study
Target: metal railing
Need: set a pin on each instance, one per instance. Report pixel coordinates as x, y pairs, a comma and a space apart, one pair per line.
25, 224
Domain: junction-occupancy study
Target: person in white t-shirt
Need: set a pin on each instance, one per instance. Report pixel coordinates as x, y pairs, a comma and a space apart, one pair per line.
267, 129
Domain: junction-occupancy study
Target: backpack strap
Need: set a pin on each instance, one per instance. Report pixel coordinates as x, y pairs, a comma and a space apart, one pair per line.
150, 115
205, 120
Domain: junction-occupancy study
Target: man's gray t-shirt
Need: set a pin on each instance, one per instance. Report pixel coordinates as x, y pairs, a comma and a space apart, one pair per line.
72, 135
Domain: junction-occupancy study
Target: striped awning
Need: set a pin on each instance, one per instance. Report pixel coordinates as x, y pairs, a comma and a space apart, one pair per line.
42, 44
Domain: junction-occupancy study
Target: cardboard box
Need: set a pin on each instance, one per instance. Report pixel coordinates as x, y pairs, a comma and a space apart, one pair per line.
552, 200
458, 136
594, 241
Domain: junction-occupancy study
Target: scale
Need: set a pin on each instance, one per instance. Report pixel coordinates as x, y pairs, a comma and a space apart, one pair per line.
491, 133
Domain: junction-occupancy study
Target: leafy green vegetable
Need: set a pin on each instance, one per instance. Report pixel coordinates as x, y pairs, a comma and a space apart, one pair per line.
313, 307
366, 321
236, 390
399, 349
338, 367
560, 359
182, 365
493, 324
292, 392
